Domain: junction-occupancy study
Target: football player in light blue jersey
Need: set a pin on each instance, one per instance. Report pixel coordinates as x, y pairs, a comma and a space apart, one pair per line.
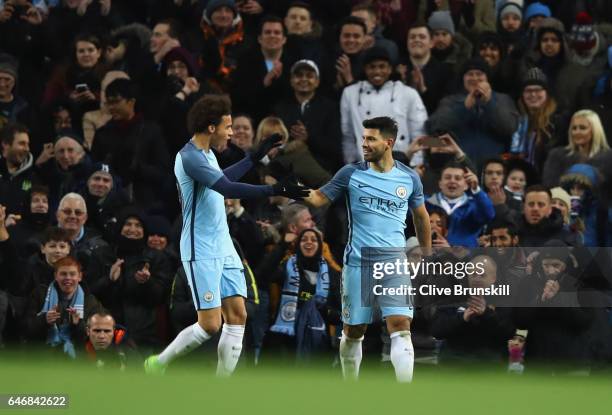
378, 192
214, 270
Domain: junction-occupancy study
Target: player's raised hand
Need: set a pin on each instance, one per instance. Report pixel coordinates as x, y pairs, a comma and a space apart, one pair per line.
267, 144
290, 189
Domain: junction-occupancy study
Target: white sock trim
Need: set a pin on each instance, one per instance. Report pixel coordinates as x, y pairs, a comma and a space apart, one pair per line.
233, 330
199, 333
400, 333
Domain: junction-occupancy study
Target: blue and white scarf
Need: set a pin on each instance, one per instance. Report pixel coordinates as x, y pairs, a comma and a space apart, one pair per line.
287, 314
60, 334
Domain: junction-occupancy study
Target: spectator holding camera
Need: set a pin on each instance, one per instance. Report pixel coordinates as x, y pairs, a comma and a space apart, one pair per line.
79, 80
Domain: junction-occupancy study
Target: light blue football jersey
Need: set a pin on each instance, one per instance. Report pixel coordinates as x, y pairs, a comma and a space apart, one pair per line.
377, 205
205, 233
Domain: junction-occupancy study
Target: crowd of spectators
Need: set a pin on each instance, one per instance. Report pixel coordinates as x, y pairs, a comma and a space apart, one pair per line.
504, 109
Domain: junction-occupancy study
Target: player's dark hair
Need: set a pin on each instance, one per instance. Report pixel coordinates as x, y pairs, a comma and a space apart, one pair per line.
53, 233
386, 125
124, 88
354, 21
208, 110
538, 188
8, 132
271, 19
501, 222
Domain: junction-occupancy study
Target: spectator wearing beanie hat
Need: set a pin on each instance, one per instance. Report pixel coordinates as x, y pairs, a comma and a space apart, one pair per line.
182, 90
562, 202
160, 232
449, 47
104, 199
64, 166
551, 54
13, 108
222, 42
482, 119
542, 125
587, 46
535, 14
511, 17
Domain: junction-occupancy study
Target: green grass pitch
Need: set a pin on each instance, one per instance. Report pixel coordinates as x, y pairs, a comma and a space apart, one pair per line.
190, 387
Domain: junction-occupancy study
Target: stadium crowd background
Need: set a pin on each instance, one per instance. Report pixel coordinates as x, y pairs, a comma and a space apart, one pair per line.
514, 97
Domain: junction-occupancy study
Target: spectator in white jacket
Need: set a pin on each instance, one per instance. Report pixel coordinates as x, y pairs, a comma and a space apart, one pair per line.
377, 96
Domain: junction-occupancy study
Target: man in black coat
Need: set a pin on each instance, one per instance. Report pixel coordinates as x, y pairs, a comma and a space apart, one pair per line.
312, 117
539, 222
262, 74
16, 167
131, 145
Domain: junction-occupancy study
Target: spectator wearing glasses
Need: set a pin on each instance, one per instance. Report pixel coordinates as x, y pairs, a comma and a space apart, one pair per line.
71, 216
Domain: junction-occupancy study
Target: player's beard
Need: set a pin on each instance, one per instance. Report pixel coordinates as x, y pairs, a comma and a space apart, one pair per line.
374, 156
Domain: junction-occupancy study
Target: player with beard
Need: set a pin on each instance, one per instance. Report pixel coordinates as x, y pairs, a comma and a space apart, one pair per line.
379, 192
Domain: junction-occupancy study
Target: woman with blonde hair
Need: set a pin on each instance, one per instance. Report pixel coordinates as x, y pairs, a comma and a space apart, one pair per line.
293, 157
587, 144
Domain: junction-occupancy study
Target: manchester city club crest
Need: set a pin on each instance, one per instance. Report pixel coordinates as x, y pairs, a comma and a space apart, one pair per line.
208, 297
288, 311
401, 192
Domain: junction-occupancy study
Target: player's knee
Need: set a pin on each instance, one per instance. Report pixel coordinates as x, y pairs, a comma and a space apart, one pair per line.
210, 327
237, 317
398, 323
355, 332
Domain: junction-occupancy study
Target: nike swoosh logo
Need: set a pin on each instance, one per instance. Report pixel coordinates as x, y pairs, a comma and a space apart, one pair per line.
321, 328
361, 186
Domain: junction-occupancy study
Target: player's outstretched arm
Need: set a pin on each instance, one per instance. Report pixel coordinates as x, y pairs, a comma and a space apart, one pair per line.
239, 169
316, 199
422, 227
234, 190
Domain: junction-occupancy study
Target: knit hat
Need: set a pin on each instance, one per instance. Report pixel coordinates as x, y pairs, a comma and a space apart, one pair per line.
159, 225
550, 24
9, 65
476, 63
510, 8
215, 4
376, 53
535, 76
441, 20
101, 167
183, 55
583, 34
562, 195
537, 9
